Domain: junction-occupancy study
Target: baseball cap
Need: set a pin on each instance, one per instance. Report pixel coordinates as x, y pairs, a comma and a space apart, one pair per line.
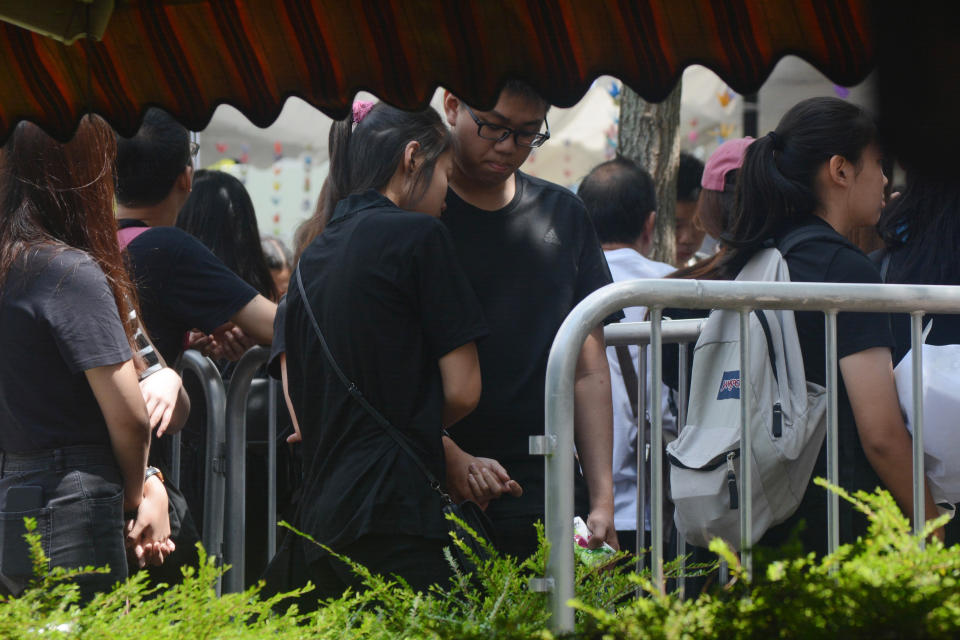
727, 157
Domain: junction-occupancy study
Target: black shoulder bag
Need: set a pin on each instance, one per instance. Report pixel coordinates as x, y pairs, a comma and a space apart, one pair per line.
468, 512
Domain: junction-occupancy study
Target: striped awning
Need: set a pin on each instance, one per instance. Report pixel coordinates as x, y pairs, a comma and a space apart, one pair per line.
190, 56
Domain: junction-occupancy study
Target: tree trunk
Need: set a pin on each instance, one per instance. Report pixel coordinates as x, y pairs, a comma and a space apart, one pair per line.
649, 135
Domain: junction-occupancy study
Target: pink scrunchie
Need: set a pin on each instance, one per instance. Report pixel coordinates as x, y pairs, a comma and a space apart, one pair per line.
360, 110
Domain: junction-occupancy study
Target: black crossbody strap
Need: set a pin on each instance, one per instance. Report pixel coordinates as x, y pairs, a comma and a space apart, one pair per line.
355, 392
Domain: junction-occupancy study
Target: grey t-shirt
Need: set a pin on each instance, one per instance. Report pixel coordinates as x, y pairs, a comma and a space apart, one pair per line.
58, 318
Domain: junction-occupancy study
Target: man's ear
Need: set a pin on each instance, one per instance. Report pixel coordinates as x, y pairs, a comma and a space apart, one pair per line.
646, 239
649, 225
839, 170
184, 181
451, 105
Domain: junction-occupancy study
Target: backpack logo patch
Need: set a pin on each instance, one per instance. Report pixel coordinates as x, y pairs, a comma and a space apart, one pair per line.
729, 385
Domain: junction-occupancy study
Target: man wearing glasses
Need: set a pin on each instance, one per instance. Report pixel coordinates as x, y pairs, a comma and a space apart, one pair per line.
531, 254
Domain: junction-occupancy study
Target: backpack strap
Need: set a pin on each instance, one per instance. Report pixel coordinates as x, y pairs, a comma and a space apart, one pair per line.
884, 266
629, 375
128, 234
352, 389
806, 233
761, 316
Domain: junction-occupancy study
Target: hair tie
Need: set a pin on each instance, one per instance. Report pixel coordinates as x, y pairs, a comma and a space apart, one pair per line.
775, 140
360, 110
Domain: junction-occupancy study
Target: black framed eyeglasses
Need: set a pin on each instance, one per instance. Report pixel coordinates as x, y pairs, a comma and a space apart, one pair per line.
499, 133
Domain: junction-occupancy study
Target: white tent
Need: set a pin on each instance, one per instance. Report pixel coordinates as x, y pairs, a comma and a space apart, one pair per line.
284, 164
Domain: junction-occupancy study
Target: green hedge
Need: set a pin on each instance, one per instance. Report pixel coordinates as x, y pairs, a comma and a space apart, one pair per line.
885, 586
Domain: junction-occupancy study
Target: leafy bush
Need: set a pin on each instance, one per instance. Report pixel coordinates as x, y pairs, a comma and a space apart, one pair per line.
885, 586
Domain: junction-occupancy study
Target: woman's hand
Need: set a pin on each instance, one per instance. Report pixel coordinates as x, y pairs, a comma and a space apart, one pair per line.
478, 479
160, 393
230, 342
148, 535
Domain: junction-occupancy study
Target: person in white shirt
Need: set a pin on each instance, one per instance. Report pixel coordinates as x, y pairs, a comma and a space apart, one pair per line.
621, 200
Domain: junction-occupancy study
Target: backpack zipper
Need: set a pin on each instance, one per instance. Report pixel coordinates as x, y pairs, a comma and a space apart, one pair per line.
715, 463
777, 420
732, 481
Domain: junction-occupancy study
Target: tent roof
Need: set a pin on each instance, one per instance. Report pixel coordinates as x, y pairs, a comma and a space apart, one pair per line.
190, 56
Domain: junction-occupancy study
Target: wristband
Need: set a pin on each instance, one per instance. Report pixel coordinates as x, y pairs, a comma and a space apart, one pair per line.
153, 471
147, 353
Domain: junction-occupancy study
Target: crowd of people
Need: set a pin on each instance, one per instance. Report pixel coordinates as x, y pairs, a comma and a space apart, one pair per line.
410, 327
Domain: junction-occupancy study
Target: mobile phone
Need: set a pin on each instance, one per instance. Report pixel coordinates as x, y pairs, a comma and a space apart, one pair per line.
24, 498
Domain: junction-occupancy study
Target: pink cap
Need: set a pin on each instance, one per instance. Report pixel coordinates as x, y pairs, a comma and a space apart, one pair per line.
727, 157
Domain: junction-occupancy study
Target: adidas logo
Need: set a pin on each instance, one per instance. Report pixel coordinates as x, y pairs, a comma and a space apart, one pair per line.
551, 237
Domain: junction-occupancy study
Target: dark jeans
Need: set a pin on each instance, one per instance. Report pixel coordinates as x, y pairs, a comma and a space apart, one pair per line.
417, 560
79, 514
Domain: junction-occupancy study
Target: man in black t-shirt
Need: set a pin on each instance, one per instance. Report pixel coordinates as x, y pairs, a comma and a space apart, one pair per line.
531, 255
181, 284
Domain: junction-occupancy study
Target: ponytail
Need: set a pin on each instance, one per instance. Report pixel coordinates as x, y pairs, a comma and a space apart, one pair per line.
777, 184
365, 152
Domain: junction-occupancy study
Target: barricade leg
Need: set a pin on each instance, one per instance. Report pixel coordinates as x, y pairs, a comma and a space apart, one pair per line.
833, 469
656, 454
272, 469
214, 484
234, 542
683, 384
746, 449
642, 456
919, 492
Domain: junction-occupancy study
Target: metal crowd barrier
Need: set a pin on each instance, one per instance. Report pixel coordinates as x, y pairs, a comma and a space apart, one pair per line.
214, 485
234, 543
557, 443
681, 333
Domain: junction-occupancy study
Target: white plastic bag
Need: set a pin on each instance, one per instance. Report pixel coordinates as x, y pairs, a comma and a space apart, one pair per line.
941, 415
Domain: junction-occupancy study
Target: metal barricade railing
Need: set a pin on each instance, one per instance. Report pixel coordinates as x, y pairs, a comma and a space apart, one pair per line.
234, 543
681, 333
214, 485
557, 442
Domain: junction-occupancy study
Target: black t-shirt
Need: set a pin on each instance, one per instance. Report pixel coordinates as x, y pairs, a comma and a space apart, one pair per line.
58, 318
946, 326
182, 286
530, 263
834, 260
391, 299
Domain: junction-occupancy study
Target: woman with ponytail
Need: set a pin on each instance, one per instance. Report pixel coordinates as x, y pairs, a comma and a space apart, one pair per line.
822, 168
400, 319
74, 429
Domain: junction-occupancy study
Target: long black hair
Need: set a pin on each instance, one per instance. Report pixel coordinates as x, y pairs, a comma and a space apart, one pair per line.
220, 214
776, 185
924, 224
366, 155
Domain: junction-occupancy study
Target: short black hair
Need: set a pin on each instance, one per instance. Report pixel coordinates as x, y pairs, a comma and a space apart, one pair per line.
149, 163
526, 91
689, 174
620, 197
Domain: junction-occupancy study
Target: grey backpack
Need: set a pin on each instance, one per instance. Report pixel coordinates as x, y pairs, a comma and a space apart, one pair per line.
787, 426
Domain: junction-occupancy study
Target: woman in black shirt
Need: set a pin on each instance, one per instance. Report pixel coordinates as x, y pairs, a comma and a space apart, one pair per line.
921, 230
400, 320
74, 429
822, 167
